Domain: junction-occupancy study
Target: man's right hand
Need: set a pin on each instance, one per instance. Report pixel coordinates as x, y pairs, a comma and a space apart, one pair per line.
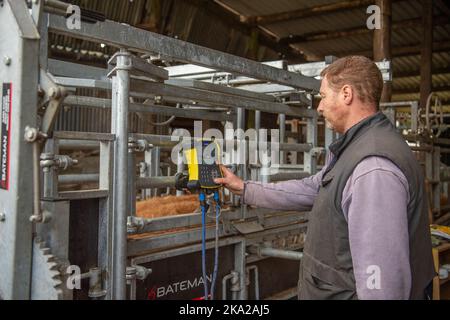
230, 181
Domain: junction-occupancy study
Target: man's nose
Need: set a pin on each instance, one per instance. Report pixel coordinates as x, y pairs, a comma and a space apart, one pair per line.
320, 108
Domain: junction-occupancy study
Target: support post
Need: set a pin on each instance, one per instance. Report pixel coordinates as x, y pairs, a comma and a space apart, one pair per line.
119, 126
19, 54
426, 51
382, 43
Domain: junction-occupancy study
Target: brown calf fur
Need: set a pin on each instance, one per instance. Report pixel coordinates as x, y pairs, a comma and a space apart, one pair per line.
167, 206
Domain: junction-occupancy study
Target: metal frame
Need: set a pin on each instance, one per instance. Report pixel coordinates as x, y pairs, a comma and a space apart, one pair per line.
19, 51
136, 77
425, 144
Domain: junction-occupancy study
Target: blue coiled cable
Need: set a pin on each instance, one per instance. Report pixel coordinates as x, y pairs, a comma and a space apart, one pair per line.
216, 246
202, 199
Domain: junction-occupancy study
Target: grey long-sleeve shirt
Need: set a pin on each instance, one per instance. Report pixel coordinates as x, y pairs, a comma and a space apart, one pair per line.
374, 202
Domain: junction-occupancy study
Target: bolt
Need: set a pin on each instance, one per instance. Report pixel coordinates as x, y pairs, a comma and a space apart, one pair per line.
53, 92
2, 217
30, 134
7, 60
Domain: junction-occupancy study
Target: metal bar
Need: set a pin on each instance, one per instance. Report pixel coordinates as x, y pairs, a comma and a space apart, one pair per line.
141, 88
141, 67
56, 11
78, 145
201, 85
105, 248
168, 240
242, 162
75, 70
219, 99
272, 219
120, 102
56, 4
145, 171
168, 174
181, 112
257, 122
239, 266
83, 83
310, 160
397, 104
82, 194
180, 169
256, 271
276, 253
50, 176
159, 109
78, 178
73, 135
267, 88
414, 116
43, 43
119, 35
131, 183
155, 169
137, 246
146, 258
37, 213
257, 172
155, 182
282, 126
188, 70
171, 141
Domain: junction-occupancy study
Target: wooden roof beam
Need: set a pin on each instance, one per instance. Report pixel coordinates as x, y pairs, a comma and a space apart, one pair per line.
417, 90
328, 35
442, 46
310, 11
233, 20
416, 73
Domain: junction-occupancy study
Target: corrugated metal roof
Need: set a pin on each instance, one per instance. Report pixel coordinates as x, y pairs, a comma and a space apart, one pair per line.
183, 20
189, 22
322, 23
354, 18
265, 7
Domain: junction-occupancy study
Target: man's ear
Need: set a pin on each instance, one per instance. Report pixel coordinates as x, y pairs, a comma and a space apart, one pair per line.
347, 94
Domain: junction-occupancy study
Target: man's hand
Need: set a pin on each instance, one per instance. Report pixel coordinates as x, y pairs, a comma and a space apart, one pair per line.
230, 181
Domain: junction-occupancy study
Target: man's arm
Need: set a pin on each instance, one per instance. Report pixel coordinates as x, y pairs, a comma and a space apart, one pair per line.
375, 205
285, 195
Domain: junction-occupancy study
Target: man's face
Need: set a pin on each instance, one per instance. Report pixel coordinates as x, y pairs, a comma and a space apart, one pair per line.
332, 108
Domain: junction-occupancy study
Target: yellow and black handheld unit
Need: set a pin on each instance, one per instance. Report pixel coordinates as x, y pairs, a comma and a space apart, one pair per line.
203, 158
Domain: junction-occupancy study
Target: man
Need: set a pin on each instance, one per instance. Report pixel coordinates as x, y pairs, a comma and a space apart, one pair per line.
368, 234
